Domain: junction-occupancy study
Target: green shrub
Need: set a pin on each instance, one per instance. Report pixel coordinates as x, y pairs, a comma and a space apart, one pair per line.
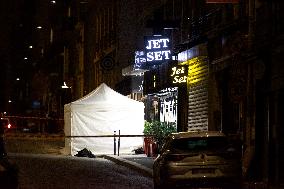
159, 130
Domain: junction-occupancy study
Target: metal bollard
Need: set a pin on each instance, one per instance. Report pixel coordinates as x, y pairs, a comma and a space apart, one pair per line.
118, 143
114, 142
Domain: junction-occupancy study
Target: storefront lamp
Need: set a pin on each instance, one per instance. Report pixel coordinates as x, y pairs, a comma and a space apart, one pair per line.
64, 86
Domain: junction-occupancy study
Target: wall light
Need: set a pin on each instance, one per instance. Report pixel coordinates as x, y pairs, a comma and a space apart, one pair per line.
64, 86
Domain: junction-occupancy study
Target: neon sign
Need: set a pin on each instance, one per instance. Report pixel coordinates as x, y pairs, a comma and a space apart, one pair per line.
168, 108
157, 49
178, 74
140, 59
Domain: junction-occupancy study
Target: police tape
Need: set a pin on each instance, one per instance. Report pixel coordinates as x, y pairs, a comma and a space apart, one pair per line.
33, 117
33, 136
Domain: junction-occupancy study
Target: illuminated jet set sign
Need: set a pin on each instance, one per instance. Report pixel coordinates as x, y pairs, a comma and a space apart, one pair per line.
178, 75
157, 49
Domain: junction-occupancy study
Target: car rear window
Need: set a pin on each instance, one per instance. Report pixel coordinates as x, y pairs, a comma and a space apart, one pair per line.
199, 144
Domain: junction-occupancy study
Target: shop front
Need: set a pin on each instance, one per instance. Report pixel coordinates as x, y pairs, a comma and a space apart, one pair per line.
177, 90
164, 89
197, 88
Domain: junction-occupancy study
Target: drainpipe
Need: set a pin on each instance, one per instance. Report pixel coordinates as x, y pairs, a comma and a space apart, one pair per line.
249, 151
251, 24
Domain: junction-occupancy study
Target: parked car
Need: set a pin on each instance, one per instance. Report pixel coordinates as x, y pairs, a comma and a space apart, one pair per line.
8, 170
198, 159
8, 174
5, 123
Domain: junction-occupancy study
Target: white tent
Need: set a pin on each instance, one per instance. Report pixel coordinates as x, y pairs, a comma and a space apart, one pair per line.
102, 112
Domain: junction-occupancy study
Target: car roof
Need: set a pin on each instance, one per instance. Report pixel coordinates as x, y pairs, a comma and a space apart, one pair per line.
190, 134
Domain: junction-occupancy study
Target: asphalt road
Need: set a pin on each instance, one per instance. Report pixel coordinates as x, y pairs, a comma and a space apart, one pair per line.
42, 171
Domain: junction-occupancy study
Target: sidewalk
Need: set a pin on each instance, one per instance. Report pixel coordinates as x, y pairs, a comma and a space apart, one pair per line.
138, 162
143, 164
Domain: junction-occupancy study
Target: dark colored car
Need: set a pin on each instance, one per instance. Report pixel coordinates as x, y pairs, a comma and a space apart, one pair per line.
8, 171
198, 159
8, 174
3, 125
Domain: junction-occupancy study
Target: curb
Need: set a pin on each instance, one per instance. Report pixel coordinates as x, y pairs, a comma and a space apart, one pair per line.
130, 164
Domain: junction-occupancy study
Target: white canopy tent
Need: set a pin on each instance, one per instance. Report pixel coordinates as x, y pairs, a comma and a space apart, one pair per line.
102, 112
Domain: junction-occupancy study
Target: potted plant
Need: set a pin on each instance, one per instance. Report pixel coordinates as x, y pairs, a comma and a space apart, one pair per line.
148, 139
156, 132
161, 131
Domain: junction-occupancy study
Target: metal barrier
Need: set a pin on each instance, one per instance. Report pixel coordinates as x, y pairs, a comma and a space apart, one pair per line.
40, 128
116, 139
55, 142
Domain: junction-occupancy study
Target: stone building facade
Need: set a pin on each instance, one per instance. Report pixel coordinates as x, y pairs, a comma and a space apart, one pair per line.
235, 50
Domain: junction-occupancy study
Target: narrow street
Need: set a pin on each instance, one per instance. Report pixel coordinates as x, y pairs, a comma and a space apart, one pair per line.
39, 171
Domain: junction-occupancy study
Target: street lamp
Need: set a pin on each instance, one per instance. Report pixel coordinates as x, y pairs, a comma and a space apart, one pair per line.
65, 96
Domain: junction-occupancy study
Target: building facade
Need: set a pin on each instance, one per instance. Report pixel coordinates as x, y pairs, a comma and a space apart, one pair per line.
231, 51
240, 76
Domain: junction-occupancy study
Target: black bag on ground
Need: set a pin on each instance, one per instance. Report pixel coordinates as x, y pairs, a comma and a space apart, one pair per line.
85, 153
